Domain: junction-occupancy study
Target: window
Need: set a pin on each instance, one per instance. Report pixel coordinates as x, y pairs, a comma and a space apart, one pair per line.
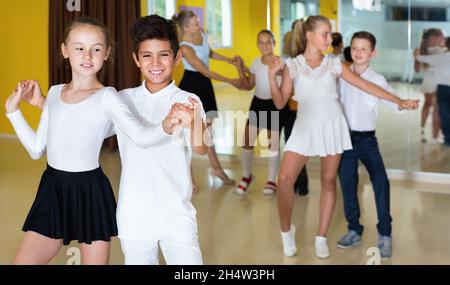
163, 8
292, 10
434, 14
218, 13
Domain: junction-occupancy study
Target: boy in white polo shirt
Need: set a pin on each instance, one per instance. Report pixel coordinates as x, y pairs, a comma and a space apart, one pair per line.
361, 111
154, 206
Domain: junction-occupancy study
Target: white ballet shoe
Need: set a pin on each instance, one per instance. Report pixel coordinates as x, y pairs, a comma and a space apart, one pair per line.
288, 239
322, 250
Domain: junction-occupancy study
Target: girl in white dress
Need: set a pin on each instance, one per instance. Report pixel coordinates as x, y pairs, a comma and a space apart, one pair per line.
320, 128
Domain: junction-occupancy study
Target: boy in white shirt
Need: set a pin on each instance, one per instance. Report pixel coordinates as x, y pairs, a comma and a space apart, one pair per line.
154, 206
361, 112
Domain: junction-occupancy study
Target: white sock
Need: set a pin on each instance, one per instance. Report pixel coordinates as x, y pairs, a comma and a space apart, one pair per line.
247, 160
321, 246
274, 163
288, 239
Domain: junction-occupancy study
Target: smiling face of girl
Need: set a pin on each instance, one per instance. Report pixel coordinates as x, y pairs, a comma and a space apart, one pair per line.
265, 44
87, 49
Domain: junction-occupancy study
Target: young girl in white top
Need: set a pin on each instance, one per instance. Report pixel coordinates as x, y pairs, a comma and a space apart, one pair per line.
320, 128
263, 114
75, 200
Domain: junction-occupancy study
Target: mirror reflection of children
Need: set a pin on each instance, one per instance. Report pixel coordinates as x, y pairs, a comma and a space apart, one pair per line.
440, 63
321, 128
432, 43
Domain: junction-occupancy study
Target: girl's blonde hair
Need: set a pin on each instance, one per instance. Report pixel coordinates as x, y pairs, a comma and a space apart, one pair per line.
301, 27
182, 19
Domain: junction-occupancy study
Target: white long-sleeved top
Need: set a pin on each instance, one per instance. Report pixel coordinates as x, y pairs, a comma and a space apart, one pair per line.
72, 134
361, 108
440, 63
155, 185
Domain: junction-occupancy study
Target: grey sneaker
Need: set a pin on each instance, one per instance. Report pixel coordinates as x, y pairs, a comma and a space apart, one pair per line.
385, 246
350, 239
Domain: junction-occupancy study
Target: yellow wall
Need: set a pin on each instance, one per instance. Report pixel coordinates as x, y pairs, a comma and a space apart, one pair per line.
329, 9
23, 51
275, 23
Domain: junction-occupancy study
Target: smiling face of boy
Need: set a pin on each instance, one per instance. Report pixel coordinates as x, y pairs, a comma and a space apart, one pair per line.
156, 60
362, 51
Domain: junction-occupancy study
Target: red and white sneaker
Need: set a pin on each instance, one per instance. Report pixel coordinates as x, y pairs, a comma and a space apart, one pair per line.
244, 184
270, 188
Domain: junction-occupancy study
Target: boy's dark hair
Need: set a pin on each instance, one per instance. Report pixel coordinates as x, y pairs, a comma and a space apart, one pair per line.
155, 27
267, 32
447, 42
348, 54
336, 39
366, 36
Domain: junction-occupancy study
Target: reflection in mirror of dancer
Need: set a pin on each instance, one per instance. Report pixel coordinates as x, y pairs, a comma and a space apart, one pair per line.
432, 42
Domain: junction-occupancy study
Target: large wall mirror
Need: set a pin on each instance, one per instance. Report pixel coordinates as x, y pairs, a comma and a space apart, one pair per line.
398, 26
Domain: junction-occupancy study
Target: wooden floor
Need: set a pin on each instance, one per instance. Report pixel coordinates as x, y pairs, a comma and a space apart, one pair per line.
245, 230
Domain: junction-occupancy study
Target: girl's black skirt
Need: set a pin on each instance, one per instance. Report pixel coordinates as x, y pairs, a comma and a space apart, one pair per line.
265, 115
200, 85
73, 206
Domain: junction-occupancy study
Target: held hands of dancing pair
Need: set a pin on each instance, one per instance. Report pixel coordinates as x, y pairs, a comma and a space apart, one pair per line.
183, 115
276, 66
180, 115
241, 82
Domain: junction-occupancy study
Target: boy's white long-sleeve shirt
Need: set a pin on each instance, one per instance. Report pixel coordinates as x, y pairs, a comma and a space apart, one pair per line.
155, 186
361, 108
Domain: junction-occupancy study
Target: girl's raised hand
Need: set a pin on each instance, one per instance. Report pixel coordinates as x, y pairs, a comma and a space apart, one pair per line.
34, 94
13, 101
275, 66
